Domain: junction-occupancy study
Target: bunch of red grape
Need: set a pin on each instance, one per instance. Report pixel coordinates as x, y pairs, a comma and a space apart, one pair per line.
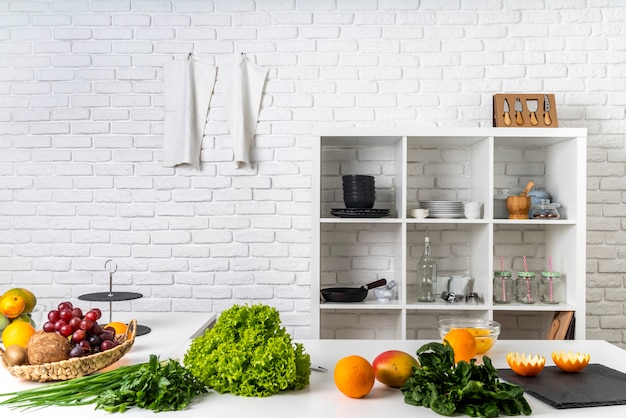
83, 331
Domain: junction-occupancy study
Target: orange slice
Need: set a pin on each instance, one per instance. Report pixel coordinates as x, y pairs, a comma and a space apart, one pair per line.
523, 365
570, 362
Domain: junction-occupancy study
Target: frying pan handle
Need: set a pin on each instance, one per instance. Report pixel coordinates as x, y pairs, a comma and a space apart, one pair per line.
377, 283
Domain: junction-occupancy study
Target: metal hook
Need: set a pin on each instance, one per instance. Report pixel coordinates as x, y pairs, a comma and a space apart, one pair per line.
189, 56
110, 263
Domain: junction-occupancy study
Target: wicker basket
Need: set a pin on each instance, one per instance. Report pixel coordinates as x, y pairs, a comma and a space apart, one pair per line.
74, 367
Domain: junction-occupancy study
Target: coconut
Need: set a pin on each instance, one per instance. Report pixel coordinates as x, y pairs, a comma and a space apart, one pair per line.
47, 347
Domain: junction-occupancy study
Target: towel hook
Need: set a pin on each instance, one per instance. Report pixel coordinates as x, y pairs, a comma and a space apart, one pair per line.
189, 56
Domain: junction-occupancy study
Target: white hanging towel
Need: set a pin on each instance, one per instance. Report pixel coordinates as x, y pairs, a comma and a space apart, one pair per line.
242, 91
188, 90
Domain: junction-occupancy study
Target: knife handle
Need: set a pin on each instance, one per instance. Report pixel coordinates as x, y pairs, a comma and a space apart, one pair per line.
518, 118
507, 119
533, 119
546, 119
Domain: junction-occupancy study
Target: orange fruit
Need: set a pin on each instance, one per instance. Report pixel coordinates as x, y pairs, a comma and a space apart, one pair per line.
120, 327
526, 365
354, 376
483, 341
12, 306
462, 342
30, 300
570, 362
17, 332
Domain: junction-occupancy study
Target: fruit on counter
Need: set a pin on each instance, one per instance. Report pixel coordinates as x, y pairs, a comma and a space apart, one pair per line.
47, 347
354, 376
394, 367
526, 365
29, 299
16, 355
462, 342
570, 361
18, 333
84, 333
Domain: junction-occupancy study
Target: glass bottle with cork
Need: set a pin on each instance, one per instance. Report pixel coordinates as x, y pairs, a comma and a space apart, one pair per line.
426, 274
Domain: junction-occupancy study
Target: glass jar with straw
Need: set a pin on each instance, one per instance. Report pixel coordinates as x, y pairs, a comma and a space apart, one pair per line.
550, 287
503, 285
526, 285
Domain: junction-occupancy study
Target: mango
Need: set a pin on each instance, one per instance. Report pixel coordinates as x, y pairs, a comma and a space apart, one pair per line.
394, 367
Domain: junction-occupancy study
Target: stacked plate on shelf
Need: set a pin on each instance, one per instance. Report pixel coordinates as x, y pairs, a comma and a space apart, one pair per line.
359, 213
443, 209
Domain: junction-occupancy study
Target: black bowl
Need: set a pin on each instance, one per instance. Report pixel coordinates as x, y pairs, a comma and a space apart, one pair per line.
357, 177
369, 198
359, 205
360, 195
351, 191
358, 184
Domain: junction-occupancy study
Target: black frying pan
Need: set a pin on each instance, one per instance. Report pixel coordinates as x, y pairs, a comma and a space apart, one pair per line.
350, 294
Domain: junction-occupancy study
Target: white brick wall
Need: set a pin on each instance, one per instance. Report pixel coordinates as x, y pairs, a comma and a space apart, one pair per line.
81, 119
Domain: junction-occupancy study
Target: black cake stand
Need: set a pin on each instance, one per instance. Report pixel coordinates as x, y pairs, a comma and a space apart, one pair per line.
112, 296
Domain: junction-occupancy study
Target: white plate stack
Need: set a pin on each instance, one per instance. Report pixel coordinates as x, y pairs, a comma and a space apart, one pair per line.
443, 209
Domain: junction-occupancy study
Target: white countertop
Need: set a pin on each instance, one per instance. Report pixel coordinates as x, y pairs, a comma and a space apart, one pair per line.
170, 338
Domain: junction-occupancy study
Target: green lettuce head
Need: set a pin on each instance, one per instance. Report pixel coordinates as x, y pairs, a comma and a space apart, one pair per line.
249, 353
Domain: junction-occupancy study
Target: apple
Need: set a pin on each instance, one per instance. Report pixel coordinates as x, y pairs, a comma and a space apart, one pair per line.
394, 367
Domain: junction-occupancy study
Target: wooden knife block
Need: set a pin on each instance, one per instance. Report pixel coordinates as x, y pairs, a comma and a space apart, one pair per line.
499, 117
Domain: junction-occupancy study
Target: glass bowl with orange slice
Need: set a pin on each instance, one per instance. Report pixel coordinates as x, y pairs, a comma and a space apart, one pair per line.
485, 331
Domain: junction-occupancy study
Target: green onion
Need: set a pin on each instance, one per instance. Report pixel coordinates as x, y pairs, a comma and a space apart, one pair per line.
159, 386
79, 391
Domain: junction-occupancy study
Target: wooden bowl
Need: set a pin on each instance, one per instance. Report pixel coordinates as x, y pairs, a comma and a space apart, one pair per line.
518, 206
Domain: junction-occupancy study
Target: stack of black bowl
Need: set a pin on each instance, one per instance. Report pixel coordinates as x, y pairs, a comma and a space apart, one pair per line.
359, 191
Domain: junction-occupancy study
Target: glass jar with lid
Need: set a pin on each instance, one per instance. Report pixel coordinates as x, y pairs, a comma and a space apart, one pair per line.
526, 287
545, 210
550, 287
503, 287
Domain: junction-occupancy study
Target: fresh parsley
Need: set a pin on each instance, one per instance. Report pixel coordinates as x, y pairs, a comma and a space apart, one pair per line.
468, 388
158, 386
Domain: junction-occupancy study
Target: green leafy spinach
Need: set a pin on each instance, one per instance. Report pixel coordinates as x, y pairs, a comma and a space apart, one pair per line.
468, 388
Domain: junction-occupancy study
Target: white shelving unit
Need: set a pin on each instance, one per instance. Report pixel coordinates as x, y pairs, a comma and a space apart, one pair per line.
456, 164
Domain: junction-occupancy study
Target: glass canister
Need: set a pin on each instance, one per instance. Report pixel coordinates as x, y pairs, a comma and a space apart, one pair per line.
503, 287
526, 287
550, 287
545, 210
